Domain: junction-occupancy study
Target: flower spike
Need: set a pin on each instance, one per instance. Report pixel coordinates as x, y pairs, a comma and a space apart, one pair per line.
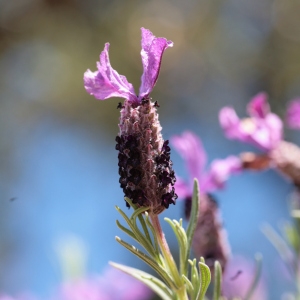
145, 167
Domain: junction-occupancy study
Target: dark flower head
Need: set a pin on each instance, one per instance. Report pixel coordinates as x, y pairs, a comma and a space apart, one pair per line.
145, 168
210, 239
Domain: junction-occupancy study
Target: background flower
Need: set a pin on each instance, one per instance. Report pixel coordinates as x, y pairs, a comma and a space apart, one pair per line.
293, 114
263, 129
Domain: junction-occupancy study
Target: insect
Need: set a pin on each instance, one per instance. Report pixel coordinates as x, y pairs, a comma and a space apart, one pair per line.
120, 106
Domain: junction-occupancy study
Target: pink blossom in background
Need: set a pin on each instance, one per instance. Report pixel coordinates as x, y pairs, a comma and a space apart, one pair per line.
107, 82
263, 129
210, 238
190, 147
112, 285
237, 278
19, 297
293, 114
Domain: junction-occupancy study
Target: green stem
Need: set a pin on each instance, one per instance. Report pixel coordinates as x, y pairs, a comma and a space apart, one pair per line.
164, 247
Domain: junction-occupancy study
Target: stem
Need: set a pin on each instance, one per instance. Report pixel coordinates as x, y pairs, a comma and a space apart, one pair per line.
171, 265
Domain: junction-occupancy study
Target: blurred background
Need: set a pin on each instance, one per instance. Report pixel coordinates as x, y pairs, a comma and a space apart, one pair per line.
58, 166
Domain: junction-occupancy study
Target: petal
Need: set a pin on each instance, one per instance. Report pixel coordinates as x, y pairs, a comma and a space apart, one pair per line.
293, 114
152, 51
189, 146
230, 123
268, 132
262, 131
237, 279
219, 173
259, 106
106, 82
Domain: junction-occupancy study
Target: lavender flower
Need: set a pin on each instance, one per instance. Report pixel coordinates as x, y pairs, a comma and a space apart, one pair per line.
210, 240
293, 114
145, 168
263, 129
191, 149
19, 297
113, 284
237, 280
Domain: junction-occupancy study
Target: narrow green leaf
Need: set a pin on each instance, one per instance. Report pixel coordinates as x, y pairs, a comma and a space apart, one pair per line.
193, 220
139, 213
182, 242
189, 285
137, 233
127, 231
148, 260
152, 282
280, 245
205, 277
218, 281
292, 236
195, 279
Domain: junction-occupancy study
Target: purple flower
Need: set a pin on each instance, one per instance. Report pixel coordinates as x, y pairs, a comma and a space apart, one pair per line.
210, 239
107, 82
293, 114
191, 149
23, 296
145, 167
113, 284
263, 129
237, 279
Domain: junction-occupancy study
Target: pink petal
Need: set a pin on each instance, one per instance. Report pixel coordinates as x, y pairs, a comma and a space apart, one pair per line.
219, 173
259, 106
268, 132
263, 129
230, 123
106, 82
293, 114
113, 284
237, 279
152, 51
190, 147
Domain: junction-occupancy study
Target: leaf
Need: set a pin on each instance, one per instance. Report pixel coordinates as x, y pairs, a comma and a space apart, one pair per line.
148, 260
195, 279
218, 281
205, 278
138, 235
152, 282
280, 244
193, 220
182, 242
